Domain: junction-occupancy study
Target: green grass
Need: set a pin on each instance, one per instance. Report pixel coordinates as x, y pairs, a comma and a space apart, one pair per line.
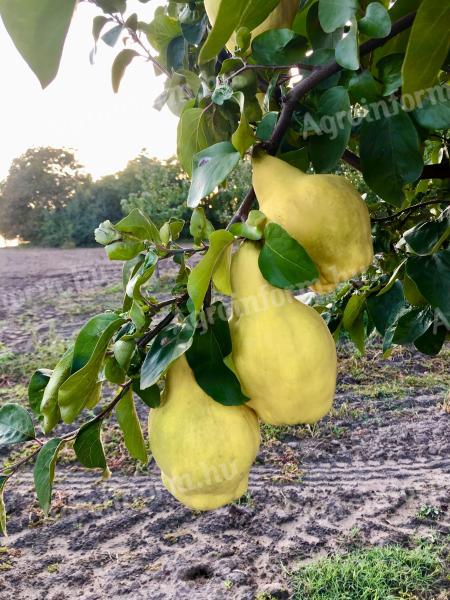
19, 366
385, 573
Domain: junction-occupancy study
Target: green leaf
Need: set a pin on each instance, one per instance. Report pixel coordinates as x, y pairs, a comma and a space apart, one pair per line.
363, 88
297, 158
138, 316
283, 261
88, 446
278, 47
121, 62
176, 227
195, 133
16, 425
434, 109
44, 472
38, 30
211, 344
357, 332
431, 342
125, 250
94, 337
431, 274
336, 13
353, 320
326, 150
390, 72
376, 23
89, 353
353, 309
49, 405
112, 6
243, 137
384, 310
317, 36
266, 126
347, 51
222, 272
113, 371
36, 387
201, 274
252, 228
210, 167
193, 32
412, 324
139, 226
142, 275
232, 15
427, 49
123, 352
112, 36
97, 25
198, 226
131, 427
390, 153
3, 480
162, 30
150, 396
168, 345
426, 237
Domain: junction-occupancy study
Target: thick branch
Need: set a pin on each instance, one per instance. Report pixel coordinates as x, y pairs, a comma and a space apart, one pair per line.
305, 86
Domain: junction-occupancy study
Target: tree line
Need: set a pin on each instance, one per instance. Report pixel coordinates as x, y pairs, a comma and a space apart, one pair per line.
49, 199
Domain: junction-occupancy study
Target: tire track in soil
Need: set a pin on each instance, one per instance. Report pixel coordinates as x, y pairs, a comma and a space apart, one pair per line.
145, 545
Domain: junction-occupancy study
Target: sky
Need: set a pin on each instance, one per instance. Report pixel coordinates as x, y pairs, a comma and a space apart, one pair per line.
79, 109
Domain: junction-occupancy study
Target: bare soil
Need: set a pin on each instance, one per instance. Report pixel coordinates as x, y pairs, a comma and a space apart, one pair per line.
361, 477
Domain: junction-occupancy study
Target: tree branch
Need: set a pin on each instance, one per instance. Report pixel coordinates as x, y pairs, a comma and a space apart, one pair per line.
322, 73
154, 332
270, 68
305, 86
410, 209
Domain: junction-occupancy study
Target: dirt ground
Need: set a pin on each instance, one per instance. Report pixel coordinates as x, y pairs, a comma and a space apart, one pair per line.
363, 476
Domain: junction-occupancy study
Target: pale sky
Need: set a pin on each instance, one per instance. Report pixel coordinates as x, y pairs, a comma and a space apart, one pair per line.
79, 109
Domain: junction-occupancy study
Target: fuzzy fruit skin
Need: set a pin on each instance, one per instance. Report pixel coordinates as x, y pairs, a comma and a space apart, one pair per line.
282, 350
204, 450
324, 213
281, 17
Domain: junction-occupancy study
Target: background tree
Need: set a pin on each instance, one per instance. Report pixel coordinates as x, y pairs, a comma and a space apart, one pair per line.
40, 182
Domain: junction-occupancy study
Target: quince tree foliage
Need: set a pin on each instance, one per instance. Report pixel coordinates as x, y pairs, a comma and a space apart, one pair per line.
314, 83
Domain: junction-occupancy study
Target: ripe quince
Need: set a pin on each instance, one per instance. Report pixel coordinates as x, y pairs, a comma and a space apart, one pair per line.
324, 213
283, 353
204, 449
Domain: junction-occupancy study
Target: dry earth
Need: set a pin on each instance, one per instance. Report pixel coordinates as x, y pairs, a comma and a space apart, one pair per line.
361, 477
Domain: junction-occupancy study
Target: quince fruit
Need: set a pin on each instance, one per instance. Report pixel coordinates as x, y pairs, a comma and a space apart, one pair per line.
283, 353
324, 213
204, 449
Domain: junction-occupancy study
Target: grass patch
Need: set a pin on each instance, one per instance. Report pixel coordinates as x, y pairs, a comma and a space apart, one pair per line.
273, 432
385, 573
17, 367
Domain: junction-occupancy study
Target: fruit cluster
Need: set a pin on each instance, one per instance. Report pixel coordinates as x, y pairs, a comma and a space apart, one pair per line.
283, 353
